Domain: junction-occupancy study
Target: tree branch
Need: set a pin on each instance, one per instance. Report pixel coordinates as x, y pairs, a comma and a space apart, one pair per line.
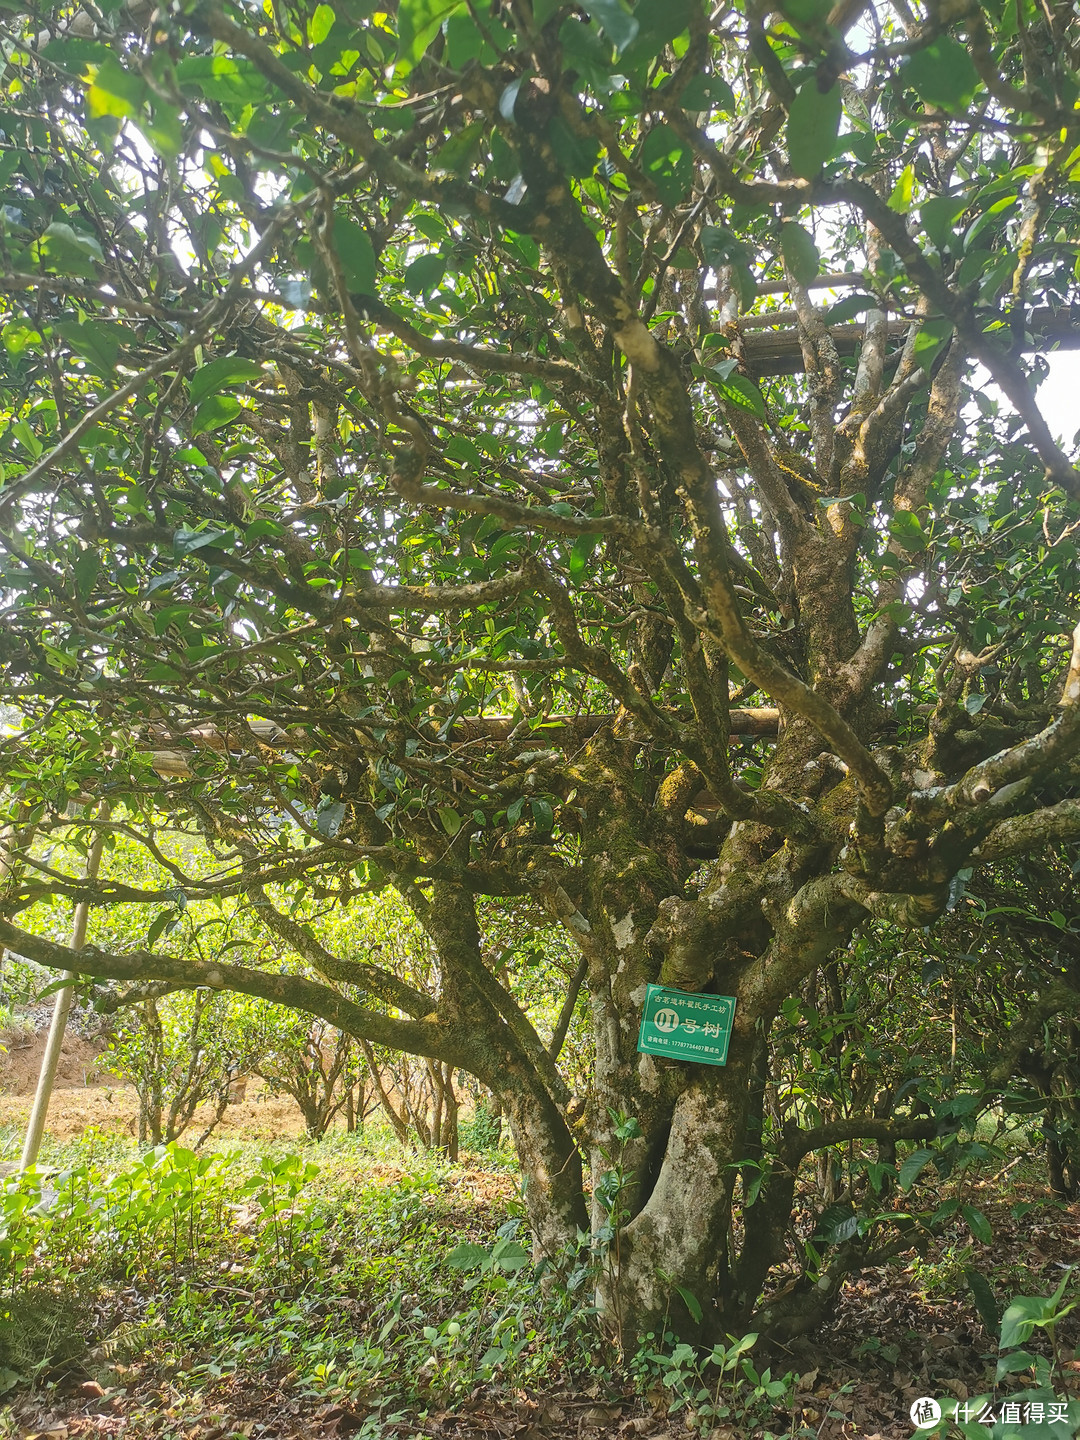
379, 982
418, 1037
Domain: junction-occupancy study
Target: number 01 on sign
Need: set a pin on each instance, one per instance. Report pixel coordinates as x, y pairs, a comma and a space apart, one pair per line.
685, 1026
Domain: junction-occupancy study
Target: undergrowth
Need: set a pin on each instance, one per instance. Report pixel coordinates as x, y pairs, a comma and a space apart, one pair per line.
358, 1274
329, 1278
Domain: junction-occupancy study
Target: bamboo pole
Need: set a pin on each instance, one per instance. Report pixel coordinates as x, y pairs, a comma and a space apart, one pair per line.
35, 1127
762, 721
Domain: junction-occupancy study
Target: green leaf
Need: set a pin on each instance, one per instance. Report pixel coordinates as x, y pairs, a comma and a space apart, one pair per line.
509, 1255
164, 130
740, 391
838, 1223
943, 74
581, 554
467, 1256
459, 151
742, 276
214, 412
419, 21
87, 568
812, 127
158, 926
542, 814
904, 525
229, 370
931, 339
902, 192
465, 40
461, 448
913, 1166
222, 78
262, 527
938, 217
985, 1300
321, 23
95, 340
68, 250
187, 541
56, 985
116, 91
77, 239
668, 162
424, 274
27, 438
618, 24
977, 1223
513, 811
1021, 1318
1014, 1364
806, 15
76, 55
508, 98
329, 817
8, 1379
990, 221
720, 246
17, 338
849, 307
692, 1303
449, 819
392, 776
577, 154
659, 23
708, 92
354, 249
799, 251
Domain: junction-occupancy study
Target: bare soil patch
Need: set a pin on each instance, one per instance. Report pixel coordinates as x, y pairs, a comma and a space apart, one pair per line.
80, 1063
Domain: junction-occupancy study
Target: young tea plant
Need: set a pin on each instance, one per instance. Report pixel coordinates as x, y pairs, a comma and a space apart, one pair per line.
612, 1193
1035, 1413
1025, 1315
721, 1387
276, 1188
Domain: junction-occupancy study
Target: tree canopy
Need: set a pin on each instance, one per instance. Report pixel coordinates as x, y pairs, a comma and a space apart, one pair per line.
579, 456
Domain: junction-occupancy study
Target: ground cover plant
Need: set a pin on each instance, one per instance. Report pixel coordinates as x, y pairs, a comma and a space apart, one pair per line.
443, 469
241, 1267
352, 1287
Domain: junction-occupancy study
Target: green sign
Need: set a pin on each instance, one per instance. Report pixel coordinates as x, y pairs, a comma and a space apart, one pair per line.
685, 1026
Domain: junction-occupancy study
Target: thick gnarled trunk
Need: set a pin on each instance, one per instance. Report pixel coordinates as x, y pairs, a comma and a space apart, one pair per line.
674, 1253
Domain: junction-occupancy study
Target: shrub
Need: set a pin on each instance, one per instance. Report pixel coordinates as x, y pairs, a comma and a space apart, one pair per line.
178, 1053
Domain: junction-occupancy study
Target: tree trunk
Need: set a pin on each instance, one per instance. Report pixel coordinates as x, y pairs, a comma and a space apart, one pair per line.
448, 1124
397, 1122
678, 1237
